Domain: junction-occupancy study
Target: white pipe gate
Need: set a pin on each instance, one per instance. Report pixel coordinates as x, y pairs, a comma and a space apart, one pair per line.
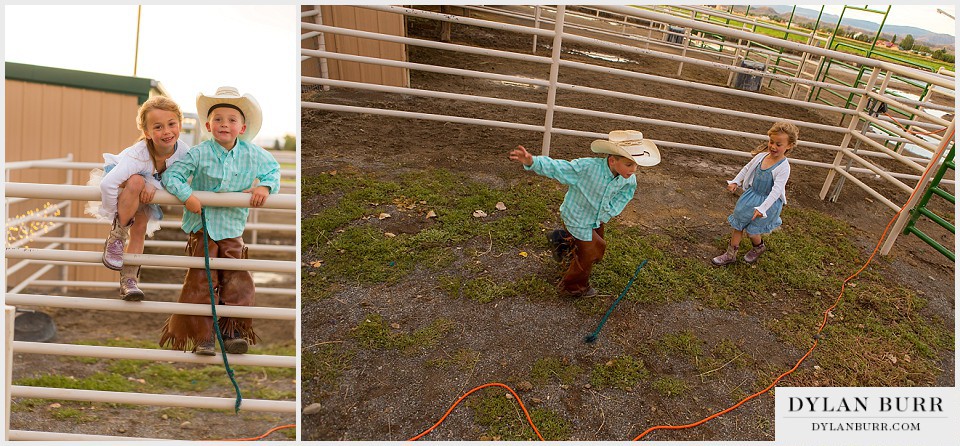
859, 162
50, 256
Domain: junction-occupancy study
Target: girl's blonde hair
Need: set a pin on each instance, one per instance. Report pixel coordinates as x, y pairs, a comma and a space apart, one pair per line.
155, 103
786, 128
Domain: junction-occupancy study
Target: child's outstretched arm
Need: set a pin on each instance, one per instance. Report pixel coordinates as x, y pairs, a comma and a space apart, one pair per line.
175, 181
561, 170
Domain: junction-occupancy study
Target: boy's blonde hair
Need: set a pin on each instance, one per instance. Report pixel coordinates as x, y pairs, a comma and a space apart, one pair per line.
786, 128
155, 103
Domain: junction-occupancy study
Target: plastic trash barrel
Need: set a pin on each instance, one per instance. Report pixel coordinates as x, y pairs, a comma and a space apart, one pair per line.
748, 82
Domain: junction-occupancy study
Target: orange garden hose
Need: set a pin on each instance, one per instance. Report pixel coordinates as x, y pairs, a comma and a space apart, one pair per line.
915, 132
264, 435
816, 337
444, 417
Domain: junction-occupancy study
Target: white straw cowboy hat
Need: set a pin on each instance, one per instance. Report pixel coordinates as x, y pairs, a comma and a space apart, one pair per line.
252, 115
630, 144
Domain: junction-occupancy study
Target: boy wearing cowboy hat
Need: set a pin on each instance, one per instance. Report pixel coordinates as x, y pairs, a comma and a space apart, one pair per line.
599, 189
228, 162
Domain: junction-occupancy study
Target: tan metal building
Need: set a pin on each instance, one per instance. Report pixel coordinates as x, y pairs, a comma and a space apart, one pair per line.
364, 20
53, 113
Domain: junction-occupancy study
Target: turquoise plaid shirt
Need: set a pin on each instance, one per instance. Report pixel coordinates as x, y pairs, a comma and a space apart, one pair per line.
216, 169
596, 194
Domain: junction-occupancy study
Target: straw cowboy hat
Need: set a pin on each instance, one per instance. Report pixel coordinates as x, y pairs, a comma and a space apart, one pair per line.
252, 115
630, 144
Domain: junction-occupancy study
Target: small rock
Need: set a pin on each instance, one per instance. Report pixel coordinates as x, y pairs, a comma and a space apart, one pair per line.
524, 386
816, 367
164, 417
509, 396
121, 430
479, 213
500, 206
185, 424
54, 405
383, 215
395, 326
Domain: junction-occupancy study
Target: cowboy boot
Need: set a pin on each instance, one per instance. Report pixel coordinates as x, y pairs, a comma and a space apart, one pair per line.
235, 344
113, 247
728, 257
128, 283
754, 254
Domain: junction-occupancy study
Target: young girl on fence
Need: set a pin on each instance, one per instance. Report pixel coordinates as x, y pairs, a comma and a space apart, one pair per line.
128, 183
764, 180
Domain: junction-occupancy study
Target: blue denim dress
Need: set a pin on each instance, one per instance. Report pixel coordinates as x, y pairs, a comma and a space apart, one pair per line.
742, 214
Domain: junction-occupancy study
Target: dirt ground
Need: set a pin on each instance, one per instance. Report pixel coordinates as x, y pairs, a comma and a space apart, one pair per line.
393, 397
85, 326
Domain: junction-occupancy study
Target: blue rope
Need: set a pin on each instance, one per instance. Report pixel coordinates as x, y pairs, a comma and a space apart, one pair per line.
593, 336
213, 306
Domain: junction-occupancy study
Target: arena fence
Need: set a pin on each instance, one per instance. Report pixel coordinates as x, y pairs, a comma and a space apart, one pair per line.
52, 254
871, 155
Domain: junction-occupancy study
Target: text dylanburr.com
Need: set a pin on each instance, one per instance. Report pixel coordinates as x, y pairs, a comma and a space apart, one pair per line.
866, 415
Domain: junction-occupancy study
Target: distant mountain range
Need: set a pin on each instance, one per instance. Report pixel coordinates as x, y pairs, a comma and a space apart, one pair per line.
920, 35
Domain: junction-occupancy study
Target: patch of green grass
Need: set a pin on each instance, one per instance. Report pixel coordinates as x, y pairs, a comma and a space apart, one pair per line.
505, 421
683, 343
722, 354
373, 333
669, 386
464, 359
556, 369
110, 382
268, 393
622, 372
339, 230
485, 289
73, 414
324, 364
895, 344
25, 404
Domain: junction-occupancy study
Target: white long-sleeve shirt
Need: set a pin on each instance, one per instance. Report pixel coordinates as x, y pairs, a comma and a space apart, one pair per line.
134, 160
780, 176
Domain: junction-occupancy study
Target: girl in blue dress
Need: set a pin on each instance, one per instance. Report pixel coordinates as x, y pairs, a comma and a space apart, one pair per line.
764, 180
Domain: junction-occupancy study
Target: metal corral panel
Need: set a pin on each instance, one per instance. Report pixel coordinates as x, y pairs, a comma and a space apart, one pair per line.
365, 20
52, 112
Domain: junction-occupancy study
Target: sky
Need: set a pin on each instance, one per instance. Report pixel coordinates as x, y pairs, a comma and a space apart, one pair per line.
920, 16
188, 49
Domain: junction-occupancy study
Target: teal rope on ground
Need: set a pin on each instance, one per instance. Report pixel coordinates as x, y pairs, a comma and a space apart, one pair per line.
213, 307
592, 337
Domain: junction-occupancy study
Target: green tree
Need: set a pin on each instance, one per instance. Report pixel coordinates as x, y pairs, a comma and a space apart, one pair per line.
907, 43
289, 142
276, 144
894, 39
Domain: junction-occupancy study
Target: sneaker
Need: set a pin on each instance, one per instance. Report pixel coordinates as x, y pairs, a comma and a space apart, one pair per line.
728, 257
206, 348
235, 346
754, 254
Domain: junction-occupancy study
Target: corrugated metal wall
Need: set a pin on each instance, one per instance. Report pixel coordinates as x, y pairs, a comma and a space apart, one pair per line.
364, 20
51, 121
